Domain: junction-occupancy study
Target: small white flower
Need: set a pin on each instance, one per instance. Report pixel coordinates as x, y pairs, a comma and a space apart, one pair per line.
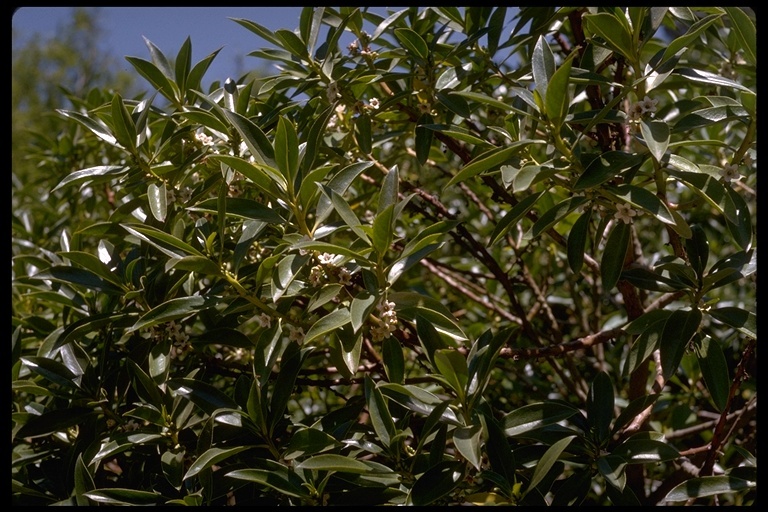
624, 213
326, 258
345, 276
316, 275
374, 103
264, 320
332, 92
730, 172
425, 108
205, 140
295, 333
113, 467
648, 105
353, 48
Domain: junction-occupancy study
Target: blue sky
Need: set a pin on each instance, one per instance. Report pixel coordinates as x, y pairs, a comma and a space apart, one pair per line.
167, 27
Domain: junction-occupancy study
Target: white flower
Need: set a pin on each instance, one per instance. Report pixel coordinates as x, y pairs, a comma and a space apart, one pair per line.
730, 172
374, 103
326, 258
113, 467
345, 276
205, 140
353, 48
382, 331
624, 213
264, 320
648, 105
425, 108
316, 275
295, 333
332, 92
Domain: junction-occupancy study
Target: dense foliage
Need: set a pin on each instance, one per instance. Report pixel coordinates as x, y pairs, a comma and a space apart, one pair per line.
473, 256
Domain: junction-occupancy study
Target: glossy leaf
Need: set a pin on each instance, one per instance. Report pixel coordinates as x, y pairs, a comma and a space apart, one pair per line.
381, 418
606, 166
424, 138
558, 99
511, 217
612, 31
210, 457
489, 160
700, 487
413, 42
452, 366
116, 496
309, 441
678, 331
548, 460
534, 416
714, 369
577, 241
329, 323
656, 136
612, 261
175, 309
363, 133
744, 29
241, 208
393, 360
542, 65
645, 451
742, 320
284, 480
467, 441
600, 403
436, 482
556, 214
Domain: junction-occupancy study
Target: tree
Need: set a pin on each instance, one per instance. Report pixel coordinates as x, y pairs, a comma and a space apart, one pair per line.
442, 265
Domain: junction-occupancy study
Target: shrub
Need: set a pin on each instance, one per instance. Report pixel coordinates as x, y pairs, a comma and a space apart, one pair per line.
476, 256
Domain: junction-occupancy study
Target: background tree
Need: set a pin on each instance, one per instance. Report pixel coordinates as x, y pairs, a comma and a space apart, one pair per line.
441, 265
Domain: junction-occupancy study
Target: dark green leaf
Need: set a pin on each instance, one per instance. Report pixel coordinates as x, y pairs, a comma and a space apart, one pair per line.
329, 323
678, 331
413, 42
287, 149
701, 487
53, 421
467, 441
612, 31
241, 208
393, 359
547, 461
424, 138
490, 160
612, 261
742, 320
309, 441
645, 451
556, 214
514, 215
714, 369
81, 277
534, 416
742, 26
606, 166
175, 309
210, 457
381, 418
577, 241
542, 65
600, 403
558, 99
656, 136
91, 174
124, 497
363, 133
283, 480
436, 482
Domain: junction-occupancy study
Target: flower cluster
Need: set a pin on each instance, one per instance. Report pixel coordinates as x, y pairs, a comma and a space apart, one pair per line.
295, 333
180, 339
205, 140
730, 172
624, 213
642, 108
388, 323
327, 269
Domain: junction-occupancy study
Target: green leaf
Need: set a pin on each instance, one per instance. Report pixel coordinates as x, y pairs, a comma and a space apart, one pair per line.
98, 173
742, 320
645, 344
174, 309
79, 276
556, 214
490, 160
612, 261
309, 441
207, 398
115, 496
577, 241
382, 230
600, 403
467, 441
412, 42
390, 188
714, 369
606, 166
53, 421
710, 79
393, 360
612, 467
741, 229
158, 201
329, 323
121, 442
678, 331
701, 487
210, 457
424, 138
512, 216
611, 30
534, 416
645, 451
644, 199
632, 410
287, 148
687, 39
123, 125
436, 482
258, 144
361, 306
363, 133
83, 482
166, 243
558, 99
265, 178
241, 208
706, 186
98, 128
339, 183
697, 248
542, 65
155, 76
333, 462
744, 29
547, 461
290, 364
172, 462
656, 136
381, 418
452, 366
282, 480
